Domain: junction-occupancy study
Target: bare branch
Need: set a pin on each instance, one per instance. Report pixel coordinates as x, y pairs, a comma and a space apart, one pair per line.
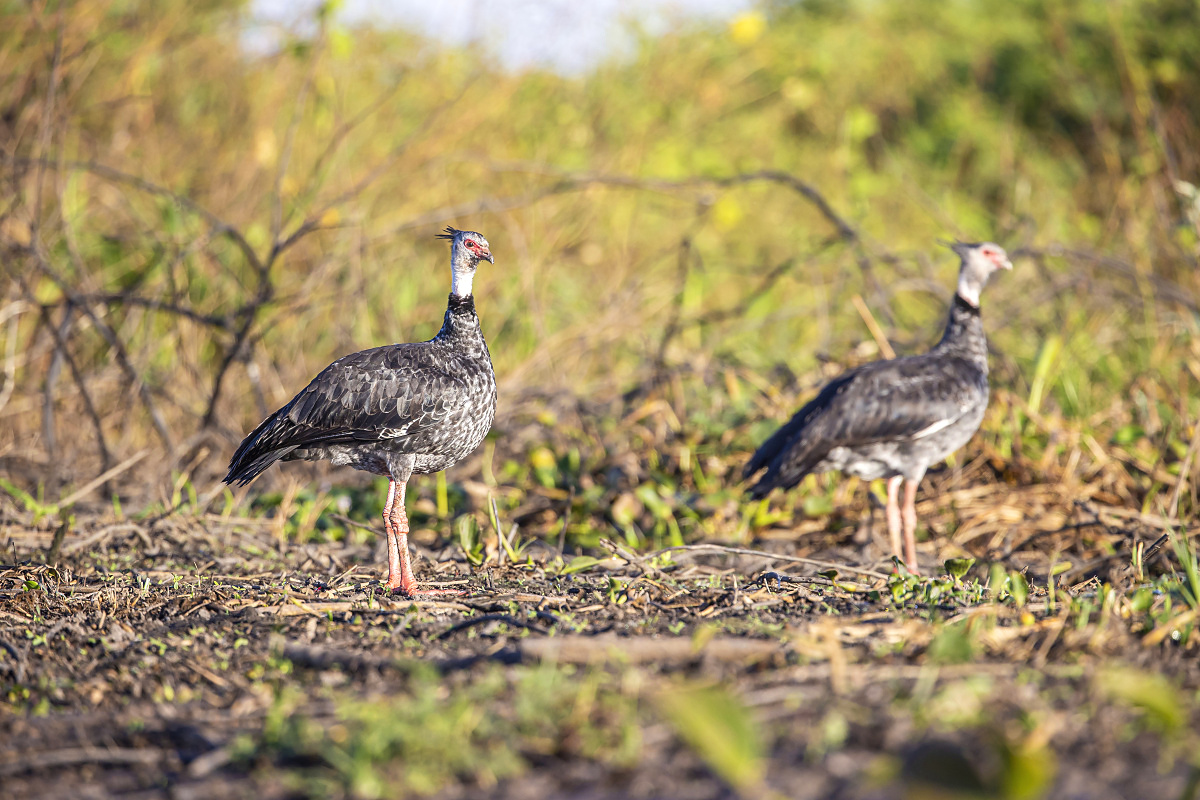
289, 141
312, 222
45, 132
61, 345
220, 226
1170, 291
128, 299
110, 336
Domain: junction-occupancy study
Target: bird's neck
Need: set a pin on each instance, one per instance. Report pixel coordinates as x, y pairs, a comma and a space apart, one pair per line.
964, 334
461, 320
460, 282
970, 285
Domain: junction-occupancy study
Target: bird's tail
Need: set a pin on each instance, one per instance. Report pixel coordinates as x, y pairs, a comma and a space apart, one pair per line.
785, 467
770, 451
761, 488
255, 454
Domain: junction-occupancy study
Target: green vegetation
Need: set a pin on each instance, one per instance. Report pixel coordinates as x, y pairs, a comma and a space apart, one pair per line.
1062, 130
687, 245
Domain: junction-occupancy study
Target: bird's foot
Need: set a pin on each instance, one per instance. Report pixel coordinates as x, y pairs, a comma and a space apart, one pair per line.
413, 592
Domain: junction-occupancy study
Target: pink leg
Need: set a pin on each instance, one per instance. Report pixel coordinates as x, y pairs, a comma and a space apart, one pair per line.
910, 526
893, 513
393, 581
400, 574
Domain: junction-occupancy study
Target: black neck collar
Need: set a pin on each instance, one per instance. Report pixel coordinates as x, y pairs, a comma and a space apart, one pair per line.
459, 304
962, 304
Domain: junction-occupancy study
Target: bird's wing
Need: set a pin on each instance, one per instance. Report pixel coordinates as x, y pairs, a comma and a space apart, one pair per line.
406, 395
898, 400
402, 393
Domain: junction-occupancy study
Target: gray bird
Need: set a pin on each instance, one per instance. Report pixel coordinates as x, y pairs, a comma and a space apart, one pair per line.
394, 410
894, 419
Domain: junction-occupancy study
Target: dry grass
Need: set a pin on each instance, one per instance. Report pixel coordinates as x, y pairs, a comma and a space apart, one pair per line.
689, 246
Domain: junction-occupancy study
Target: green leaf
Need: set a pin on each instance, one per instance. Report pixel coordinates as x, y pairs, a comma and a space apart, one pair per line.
1047, 358
957, 567
952, 645
817, 505
1163, 704
1128, 434
545, 466
1142, 600
1019, 588
715, 724
1028, 772
469, 538
998, 581
579, 564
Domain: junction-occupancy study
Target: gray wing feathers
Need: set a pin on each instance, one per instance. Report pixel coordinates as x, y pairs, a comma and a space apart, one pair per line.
897, 400
399, 393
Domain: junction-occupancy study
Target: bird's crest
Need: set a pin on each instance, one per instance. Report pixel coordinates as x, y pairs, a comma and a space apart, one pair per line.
449, 234
961, 248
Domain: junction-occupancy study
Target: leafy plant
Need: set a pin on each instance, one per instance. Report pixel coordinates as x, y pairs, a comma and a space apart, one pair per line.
718, 727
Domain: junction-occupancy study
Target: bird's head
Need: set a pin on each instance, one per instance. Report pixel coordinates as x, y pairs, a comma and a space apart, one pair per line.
467, 249
979, 261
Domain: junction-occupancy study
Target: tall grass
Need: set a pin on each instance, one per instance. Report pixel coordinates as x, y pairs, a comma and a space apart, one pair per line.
180, 216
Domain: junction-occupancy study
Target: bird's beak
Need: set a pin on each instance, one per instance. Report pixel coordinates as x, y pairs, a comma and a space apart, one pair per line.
491, 260
1006, 264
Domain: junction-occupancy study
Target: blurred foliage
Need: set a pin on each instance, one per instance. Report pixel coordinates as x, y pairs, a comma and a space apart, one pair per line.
418, 742
207, 205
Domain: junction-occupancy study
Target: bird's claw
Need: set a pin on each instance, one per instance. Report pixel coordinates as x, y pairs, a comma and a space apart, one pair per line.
413, 593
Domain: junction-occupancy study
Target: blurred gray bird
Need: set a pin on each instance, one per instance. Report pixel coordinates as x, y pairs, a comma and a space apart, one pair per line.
394, 410
893, 419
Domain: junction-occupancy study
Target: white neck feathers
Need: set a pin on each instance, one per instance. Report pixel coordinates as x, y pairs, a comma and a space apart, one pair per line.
460, 282
968, 288
462, 273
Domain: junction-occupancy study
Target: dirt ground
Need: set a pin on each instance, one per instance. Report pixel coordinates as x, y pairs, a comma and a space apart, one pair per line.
199, 658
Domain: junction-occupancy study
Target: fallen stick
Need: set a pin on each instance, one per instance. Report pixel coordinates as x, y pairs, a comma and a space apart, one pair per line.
101, 479
745, 551
579, 649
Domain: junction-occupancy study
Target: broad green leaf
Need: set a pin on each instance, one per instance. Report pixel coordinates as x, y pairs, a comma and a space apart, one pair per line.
715, 724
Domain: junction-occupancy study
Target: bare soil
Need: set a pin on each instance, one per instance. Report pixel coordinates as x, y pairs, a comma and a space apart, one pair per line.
155, 662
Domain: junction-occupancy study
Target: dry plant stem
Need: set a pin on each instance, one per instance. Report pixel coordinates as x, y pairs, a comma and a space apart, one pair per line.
507, 619
313, 221
220, 226
60, 534
764, 287
114, 341
46, 130
217, 321
12, 315
101, 479
285, 157
572, 182
885, 347
60, 344
243, 341
1168, 290
49, 426
745, 551
1185, 470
